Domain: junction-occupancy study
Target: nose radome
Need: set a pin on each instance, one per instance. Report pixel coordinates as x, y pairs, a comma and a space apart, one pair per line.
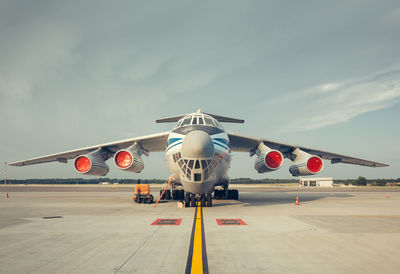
197, 144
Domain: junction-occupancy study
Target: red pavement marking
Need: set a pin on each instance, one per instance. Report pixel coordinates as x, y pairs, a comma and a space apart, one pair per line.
167, 222
230, 222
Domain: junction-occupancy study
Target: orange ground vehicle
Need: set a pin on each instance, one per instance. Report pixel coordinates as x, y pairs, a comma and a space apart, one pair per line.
142, 194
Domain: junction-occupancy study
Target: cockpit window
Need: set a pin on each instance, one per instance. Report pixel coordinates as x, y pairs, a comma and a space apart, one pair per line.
186, 121
208, 121
218, 124
178, 124
198, 120
201, 122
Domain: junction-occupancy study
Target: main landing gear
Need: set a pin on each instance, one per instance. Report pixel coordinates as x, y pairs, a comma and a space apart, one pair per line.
228, 194
177, 194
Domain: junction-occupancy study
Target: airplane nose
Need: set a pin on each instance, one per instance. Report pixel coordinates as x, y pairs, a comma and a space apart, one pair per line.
197, 144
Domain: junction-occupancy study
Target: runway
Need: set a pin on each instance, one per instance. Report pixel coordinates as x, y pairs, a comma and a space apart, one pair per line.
99, 229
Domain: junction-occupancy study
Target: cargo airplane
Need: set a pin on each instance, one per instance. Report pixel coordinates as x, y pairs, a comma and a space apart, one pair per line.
198, 155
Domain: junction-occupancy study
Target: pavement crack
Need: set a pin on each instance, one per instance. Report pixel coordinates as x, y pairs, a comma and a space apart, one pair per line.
136, 250
139, 247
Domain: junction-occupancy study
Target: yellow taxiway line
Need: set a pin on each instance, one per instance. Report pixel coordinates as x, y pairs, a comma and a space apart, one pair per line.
197, 258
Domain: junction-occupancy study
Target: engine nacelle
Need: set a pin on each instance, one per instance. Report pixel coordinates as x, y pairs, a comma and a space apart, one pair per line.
305, 163
267, 159
91, 164
129, 159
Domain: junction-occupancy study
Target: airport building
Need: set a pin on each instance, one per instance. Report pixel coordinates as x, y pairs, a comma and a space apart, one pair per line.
316, 182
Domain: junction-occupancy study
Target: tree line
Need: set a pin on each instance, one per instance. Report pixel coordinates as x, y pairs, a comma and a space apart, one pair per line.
360, 181
81, 181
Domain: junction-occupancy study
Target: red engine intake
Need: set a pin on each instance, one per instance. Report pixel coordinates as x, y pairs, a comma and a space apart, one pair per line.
305, 164
274, 159
91, 164
315, 164
82, 164
123, 159
267, 159
128, 160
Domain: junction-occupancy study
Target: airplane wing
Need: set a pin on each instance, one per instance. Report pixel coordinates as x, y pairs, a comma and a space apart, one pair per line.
149, 143
248, 144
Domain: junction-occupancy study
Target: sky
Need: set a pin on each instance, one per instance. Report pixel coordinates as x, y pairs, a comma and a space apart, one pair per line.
322, 74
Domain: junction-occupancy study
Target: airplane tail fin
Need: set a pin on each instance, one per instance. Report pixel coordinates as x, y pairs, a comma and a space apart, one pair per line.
226, 119
170, 119
218, 117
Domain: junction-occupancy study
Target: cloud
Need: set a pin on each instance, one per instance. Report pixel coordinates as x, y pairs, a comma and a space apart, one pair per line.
73, 76
335, 103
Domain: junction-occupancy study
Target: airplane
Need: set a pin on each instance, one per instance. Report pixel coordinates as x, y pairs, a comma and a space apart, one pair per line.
198, 154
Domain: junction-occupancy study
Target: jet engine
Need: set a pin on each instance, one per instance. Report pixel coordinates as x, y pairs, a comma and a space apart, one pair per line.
305, 163
129, 159
267, 159
91, 164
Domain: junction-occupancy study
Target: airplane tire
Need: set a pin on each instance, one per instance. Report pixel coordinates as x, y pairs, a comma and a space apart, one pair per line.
187, 199
236, 197
192, 200
175, 195
203, 201
163, 196
224, 194
167, 194
209, 200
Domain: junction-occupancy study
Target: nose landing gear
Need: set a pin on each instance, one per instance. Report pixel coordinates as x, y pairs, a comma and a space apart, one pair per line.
191, 199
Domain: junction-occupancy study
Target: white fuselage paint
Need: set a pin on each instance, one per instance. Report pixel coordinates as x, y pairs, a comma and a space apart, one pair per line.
210, 171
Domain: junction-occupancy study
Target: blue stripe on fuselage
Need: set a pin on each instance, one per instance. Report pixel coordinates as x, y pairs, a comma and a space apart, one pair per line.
222, 140
221, 145
172, 140
177, 143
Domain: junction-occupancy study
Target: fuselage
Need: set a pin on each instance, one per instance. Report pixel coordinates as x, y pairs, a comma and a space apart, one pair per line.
198, 153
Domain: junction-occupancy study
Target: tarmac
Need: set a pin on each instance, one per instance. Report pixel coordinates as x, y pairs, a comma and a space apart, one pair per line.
99, 229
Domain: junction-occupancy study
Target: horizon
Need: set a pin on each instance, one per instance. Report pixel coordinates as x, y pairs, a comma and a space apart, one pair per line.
232, 179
